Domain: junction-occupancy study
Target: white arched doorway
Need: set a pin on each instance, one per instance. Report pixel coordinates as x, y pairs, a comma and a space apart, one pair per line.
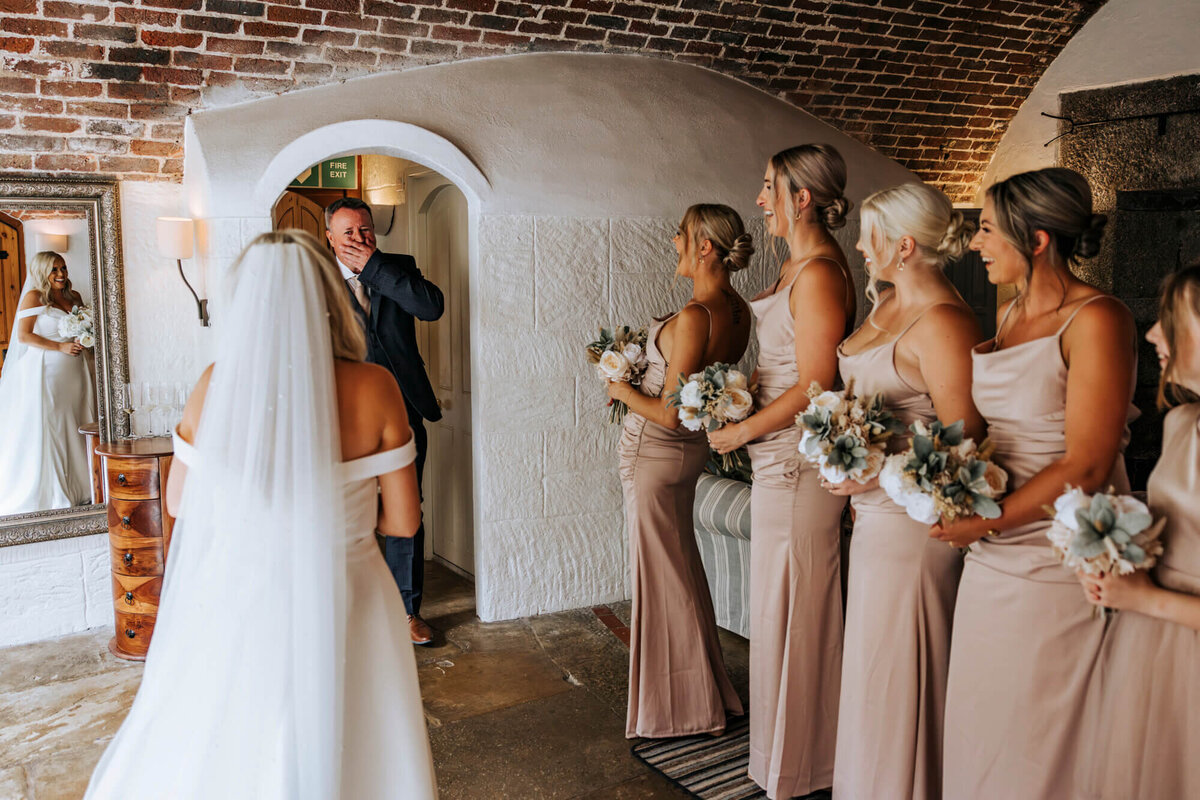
443, 191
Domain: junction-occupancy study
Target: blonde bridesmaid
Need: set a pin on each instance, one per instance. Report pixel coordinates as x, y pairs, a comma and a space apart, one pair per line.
1143, 715
1054, 386
795, 573
915, 351
677, 679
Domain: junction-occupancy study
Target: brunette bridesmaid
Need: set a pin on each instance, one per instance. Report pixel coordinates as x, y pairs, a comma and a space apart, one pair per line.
1143, 716
677, 679
795, 578
915, 351
1054, 386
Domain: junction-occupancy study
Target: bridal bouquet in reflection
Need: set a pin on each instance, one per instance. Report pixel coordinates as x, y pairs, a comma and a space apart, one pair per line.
944, 476
79, 326
844, 435
710, 399
619, 355
1104, 533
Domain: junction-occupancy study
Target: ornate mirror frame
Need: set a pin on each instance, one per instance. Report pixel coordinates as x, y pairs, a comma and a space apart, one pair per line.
98, 199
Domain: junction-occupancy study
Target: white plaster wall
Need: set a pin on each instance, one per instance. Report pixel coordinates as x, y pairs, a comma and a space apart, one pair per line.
1125, 42
582, 165
53, 588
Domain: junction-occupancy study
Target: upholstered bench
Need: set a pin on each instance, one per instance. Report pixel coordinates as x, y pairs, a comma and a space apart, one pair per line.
722, 520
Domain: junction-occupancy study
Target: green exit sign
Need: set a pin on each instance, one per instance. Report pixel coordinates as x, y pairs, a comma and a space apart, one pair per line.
337, 173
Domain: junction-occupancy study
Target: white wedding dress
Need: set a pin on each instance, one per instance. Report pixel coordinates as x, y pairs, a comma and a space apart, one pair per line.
280, 667
45, 396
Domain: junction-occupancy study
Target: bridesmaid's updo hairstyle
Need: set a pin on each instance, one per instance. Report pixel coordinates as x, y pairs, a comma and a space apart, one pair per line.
921, 212
821, 170
1056, 200
346, 334
39, 269
1180, 301
723, 227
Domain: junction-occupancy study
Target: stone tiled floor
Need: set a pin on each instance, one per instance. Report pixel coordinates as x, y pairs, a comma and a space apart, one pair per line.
532, 708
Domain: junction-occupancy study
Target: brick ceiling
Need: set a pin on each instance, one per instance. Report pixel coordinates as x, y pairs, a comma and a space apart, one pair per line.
103, 86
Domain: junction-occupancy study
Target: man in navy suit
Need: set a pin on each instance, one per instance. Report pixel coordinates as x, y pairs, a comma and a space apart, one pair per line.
389, 294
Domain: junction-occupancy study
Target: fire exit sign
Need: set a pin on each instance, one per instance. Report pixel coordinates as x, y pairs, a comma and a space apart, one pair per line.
337, 173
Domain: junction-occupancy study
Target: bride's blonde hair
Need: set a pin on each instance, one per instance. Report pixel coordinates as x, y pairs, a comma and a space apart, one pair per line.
917, 210
40, 267
349, 341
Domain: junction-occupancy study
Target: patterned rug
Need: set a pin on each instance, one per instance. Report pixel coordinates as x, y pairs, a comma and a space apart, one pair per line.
709, 767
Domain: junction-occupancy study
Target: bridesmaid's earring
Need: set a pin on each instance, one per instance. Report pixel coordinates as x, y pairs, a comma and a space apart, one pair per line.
902, 265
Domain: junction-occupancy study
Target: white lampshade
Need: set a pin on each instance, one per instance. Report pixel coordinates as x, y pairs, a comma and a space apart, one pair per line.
176, 236
58, 242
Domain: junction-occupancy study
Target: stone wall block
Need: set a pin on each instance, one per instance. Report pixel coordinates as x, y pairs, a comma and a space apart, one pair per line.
572, 272
511, 471
590, 491
643, 245
521, 406
591, 445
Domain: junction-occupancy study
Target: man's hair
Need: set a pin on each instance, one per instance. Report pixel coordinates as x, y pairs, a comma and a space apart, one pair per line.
346, 202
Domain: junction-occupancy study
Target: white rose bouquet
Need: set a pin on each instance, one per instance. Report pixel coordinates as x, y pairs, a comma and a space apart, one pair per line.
619, 355
944, 476
1102, 533
710, 399
844, 435
78, 325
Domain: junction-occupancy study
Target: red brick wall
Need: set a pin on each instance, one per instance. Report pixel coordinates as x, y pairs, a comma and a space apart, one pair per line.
103, 86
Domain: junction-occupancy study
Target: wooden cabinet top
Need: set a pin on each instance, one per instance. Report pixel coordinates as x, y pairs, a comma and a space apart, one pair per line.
152, 448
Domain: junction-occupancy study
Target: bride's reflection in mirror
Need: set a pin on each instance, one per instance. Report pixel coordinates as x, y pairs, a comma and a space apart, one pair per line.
46, 390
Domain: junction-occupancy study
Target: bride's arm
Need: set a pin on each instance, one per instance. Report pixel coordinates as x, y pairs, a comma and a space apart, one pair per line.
689, 340
27, 337
399, 496
187, 432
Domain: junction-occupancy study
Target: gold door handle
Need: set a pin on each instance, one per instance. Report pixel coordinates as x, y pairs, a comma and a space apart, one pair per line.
443, 403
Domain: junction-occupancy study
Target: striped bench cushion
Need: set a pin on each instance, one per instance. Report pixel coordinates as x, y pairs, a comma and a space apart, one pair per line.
723, 506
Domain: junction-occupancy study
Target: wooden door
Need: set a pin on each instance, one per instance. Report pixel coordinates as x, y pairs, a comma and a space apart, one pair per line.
296, 211
12, 276
441, 245
969, 276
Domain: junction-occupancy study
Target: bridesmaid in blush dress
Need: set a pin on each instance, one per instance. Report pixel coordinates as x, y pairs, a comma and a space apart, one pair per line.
915, 351
795, 557
677, 680
1142, 712
1054, 386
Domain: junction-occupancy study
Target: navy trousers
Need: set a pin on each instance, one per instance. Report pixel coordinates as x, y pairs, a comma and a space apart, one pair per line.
406, 557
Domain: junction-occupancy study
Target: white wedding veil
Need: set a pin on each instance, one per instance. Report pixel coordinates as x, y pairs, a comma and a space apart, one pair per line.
243, 689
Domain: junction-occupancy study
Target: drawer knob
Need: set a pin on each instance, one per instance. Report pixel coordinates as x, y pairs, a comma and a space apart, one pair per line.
130, 632
129, 598
121, 479
126, 522
129, 558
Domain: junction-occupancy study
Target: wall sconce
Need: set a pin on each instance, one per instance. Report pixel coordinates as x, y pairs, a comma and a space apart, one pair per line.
176, 238
58, 242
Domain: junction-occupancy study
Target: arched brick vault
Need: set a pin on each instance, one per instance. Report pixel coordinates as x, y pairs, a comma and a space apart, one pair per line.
96, 86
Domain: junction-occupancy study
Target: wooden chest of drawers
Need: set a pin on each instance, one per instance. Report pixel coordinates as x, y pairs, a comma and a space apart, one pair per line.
139, 534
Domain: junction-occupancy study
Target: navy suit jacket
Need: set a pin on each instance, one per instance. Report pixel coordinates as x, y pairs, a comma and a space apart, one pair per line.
399, 296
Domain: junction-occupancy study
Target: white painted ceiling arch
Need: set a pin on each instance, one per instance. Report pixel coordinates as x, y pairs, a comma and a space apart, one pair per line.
360, 137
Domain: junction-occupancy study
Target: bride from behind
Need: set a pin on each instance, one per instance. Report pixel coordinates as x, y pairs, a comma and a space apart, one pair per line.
277, 670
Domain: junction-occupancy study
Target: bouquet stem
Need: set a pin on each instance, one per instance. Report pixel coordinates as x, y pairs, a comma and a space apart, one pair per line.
617, 410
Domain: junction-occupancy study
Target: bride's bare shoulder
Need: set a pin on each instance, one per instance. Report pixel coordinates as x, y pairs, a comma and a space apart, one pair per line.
366, 384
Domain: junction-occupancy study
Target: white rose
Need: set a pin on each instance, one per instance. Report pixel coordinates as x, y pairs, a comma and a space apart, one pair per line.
997, 481
833, 401
831, 473
1128, 504
690, 395
921, 507
690, 419
633, 353
737, 404
735, 380
87, 340
613, 365
892, 480
1067, 504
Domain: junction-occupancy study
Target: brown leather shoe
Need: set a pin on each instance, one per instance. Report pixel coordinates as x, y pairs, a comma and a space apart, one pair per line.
419, 630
